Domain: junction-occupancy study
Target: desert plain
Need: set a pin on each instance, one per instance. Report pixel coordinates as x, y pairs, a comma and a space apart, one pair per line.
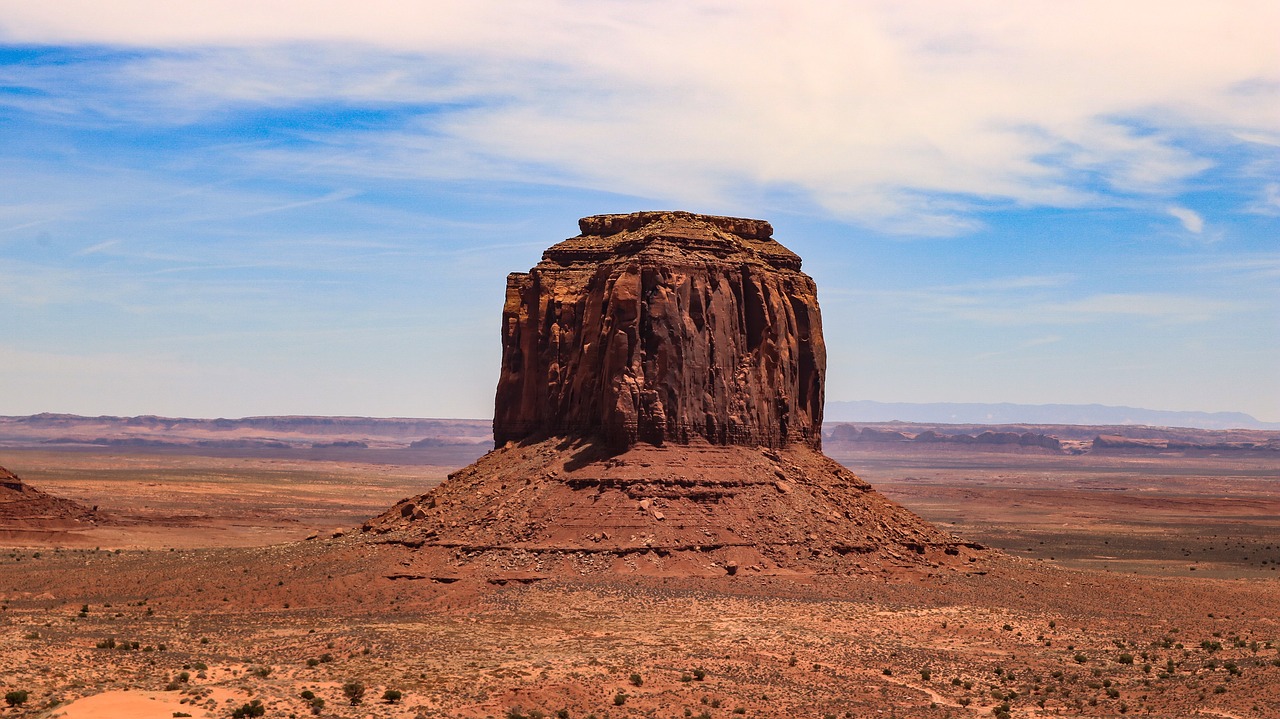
1123, 583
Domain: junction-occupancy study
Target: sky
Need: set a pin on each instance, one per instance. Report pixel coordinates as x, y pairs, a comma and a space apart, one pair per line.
263, 207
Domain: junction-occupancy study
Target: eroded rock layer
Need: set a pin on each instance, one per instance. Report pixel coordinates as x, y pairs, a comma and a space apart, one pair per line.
663, 327
565, 507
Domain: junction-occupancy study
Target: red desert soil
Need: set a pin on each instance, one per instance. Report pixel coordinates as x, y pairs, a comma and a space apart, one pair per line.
475, 649
222, 627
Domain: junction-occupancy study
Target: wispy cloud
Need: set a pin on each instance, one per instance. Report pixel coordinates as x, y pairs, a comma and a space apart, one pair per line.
901, 117
1268, 202
97, 248
1020, 347
336, 196
1191, 220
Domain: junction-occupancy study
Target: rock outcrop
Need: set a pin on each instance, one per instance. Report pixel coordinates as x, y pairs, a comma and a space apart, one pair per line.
662, 327
22, 505
659, 410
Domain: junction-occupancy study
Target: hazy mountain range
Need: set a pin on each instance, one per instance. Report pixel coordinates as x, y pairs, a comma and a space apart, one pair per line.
1005, 413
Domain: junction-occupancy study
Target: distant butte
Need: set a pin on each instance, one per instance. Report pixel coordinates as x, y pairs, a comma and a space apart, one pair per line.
659, 410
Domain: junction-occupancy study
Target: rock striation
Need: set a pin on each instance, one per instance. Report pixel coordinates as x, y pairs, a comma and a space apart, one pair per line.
659, 411
663, 327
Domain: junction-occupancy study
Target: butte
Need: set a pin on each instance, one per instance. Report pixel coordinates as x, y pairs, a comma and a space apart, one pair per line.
659, 411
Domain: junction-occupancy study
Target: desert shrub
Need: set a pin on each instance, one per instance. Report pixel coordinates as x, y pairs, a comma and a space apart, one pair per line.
1210, 646
1219, 689
317, 705
391, 696
619, 699
307, 694
515, 713
313, 662
252, 709
16, 698
108, 643
354, 691
739, 710
263, 672
925, 674
1125, 659
326, 658
199, 666
181, 714
564, 713
635, 679
1081, 658
686, 678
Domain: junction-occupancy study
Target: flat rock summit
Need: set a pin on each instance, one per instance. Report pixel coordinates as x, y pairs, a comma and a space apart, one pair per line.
659, 410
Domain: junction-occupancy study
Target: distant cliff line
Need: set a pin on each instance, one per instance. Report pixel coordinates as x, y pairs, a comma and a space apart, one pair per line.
836, 411
1006, 413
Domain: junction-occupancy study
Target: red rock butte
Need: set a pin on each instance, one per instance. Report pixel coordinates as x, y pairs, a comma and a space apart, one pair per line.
663, 327
659, 410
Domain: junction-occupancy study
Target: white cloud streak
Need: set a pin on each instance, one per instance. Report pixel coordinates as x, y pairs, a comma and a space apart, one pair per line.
1191, 220
904, 116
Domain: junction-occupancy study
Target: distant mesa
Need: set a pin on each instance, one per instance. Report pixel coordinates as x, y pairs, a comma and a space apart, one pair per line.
1119, 443
853, 433
341, 444
24, 506
1037, 414
659, 410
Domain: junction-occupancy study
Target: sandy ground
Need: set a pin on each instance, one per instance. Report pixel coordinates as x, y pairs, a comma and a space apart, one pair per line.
124, 704
209, 581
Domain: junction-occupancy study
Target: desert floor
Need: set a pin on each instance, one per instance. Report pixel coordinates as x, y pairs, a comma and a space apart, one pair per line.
204, 594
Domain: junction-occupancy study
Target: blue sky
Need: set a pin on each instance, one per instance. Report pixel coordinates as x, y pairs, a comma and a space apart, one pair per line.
239, 208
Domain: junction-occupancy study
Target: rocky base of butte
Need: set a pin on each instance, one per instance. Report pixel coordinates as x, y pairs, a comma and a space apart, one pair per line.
659, 411
561, 507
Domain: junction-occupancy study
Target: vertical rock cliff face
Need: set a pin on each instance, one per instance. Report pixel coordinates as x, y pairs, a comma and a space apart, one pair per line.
662, 327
